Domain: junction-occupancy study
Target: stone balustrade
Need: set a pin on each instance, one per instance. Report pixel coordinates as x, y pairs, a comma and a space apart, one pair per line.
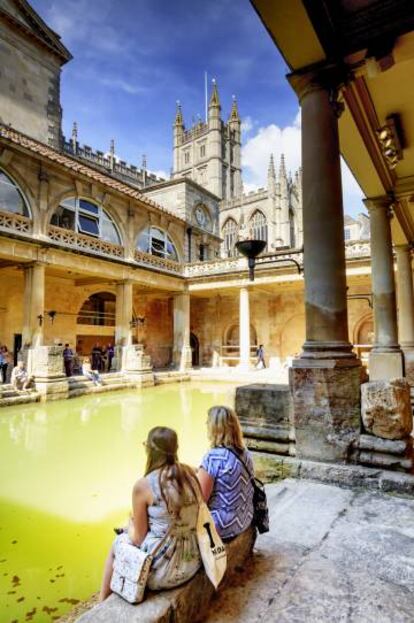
82, 242
15, 222
161, 263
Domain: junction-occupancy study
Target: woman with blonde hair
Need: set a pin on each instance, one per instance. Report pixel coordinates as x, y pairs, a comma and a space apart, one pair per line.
165, 506
225, 474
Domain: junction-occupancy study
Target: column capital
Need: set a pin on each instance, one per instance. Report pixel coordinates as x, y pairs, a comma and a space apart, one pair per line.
403, 249
383, 202
320, 77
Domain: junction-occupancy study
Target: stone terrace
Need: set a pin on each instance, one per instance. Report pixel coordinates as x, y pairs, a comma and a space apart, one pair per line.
333, 555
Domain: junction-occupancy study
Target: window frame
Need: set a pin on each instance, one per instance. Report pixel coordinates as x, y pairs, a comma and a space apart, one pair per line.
13, 184
257, 229
230, 236
165, 238
98, 217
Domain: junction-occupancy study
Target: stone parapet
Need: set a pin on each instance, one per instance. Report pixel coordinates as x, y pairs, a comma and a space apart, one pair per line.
266, 416
187, 604
45, 364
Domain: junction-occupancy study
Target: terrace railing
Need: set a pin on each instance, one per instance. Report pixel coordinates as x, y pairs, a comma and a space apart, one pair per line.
15, 222
162, 263
81, 242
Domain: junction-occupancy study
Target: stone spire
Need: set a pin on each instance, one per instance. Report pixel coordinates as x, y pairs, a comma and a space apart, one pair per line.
234, 114
214, 99
271, 176
112, 153
179, 121
282, 169
74, 137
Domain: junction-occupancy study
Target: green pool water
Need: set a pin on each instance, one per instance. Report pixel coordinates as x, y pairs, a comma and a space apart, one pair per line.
67, 470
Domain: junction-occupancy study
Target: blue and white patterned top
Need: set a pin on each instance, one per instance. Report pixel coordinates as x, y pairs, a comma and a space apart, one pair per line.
231, 501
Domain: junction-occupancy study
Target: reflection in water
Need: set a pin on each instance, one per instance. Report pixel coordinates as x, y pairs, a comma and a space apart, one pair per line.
69, 468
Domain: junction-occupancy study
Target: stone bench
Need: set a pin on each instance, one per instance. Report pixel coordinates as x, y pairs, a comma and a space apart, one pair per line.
188, 603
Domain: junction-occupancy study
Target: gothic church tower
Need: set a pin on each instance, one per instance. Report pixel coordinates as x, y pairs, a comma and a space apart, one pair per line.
210, 153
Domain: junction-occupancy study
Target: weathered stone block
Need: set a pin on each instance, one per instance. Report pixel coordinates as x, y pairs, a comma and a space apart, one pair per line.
135, 359
385, 365
326, 402
264, 405
386, 408
45, 363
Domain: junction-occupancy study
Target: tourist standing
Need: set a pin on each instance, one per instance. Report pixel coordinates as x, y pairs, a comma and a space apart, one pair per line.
164, 507
260, 357
68, 360
224, 483
5, 360
110, 351
97, 357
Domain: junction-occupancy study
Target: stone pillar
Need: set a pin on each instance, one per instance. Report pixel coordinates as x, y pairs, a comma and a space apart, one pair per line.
406, 308
385, 360
182, 356
244, 329
33, 305
325, 379
123, 318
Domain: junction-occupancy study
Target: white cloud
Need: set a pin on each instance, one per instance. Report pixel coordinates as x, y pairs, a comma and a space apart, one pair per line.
247, 125
276, 140
128, 87
161, 173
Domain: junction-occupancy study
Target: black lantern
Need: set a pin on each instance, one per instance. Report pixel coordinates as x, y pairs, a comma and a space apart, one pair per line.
251, 249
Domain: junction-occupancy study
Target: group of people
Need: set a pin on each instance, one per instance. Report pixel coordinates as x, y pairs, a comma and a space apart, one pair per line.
165, 501
100, 359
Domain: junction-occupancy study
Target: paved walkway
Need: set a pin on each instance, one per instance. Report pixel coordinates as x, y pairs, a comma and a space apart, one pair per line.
332, 556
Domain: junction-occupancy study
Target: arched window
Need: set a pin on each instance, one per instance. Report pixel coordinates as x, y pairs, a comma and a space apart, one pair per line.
85, 217
98, 309
258, 226
229, 234
157, 242
11, 197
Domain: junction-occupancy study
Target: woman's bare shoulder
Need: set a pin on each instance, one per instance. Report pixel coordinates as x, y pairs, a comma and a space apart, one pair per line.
142, 488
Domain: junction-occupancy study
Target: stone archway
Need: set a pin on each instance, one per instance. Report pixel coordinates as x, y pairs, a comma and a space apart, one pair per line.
230, 349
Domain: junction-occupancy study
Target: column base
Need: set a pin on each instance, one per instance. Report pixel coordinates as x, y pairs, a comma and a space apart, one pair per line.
409, 364
136, 365
326, 407
183, 359
384, 366
45, 364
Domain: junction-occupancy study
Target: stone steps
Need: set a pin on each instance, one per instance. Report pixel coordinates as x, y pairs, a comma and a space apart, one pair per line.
170, 376
80, 385
10, 396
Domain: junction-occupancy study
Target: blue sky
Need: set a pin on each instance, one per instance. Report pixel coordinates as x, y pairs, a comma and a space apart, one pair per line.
133, 59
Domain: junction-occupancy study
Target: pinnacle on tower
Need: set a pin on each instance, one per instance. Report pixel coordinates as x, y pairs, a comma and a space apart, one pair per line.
112, 147
282, 167
271, 172
234, 114
179, 121
75, 131
214, 99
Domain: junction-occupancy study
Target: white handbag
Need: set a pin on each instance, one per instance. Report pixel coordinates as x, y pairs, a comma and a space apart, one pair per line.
131, 570
212, 549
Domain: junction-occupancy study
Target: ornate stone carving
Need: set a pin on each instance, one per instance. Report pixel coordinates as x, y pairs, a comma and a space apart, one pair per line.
386, 408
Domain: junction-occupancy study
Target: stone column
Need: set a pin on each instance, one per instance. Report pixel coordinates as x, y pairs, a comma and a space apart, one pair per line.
123, 318
33, 305
406, 308
244, 329
386, 360
182, 356
123, 313
325, 379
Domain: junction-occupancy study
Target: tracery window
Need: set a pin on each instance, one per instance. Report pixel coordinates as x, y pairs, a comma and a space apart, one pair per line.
85, 217
258, 226
157, 242
229, 234
11, 197
292, 229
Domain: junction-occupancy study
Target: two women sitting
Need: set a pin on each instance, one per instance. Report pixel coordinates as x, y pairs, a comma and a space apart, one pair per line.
166, 500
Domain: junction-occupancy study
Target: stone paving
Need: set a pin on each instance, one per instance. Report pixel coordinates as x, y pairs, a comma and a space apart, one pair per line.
333, 555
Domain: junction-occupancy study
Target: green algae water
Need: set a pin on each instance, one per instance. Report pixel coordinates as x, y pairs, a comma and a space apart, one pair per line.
67, 470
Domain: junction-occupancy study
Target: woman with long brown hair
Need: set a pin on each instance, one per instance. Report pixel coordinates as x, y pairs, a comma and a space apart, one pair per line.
164, 501
225, 474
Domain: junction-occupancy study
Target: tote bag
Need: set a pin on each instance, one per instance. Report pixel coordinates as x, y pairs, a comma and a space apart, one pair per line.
212, 550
